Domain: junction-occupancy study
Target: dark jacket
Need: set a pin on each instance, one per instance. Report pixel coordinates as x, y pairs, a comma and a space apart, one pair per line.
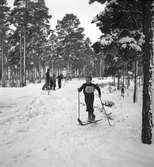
89, 88
60, 77
47, 77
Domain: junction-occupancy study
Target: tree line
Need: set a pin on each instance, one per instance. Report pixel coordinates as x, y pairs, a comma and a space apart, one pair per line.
28, 44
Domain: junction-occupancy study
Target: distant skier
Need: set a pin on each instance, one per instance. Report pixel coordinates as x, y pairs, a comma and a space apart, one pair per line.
88, 90
47, 80
60, 77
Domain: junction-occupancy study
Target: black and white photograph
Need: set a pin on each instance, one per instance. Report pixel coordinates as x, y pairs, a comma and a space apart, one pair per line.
76, 83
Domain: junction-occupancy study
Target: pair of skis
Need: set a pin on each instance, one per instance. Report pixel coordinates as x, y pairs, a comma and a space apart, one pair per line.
79, 120
87, 122
107, 115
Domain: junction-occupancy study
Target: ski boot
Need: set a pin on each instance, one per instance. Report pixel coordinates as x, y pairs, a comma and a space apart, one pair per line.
89, 117
92, 117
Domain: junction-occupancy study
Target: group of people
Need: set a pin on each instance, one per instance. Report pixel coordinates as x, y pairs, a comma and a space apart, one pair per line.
50, 81
88, 89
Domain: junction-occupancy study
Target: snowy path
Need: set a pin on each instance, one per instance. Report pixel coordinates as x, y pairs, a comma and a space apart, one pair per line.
40, 129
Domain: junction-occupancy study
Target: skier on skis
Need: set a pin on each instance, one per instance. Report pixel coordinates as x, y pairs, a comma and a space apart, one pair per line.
88, 90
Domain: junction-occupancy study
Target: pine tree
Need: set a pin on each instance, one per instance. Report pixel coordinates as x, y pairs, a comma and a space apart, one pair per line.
70, 36
4, 27
31, 31
138, 16
147, 85
39, 31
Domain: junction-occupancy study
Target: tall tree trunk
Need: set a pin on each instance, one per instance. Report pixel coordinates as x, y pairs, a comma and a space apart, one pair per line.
118, 84
146, 134
128, 79
100, 68
123, 78
33, 74
21, 65
39, 71
135, 81
3, 70
152, 43
25, 41
24, 60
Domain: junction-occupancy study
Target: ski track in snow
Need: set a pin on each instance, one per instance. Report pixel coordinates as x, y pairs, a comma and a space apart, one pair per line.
42, 130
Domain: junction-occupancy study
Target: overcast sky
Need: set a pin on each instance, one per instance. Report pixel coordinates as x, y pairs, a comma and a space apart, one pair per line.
81, 8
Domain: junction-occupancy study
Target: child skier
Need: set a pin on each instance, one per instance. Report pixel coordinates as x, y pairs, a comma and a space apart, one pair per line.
88, 90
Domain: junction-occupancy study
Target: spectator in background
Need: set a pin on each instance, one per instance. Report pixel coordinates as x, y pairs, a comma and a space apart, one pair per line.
54, 81
60, 77
47, 80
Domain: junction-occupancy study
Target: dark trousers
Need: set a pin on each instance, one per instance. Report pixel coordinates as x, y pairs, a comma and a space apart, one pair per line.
122, 92
46, 86
89, 100
59, 84
54, 86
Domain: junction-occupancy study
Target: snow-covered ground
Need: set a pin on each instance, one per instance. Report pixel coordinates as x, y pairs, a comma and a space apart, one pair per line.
41, 130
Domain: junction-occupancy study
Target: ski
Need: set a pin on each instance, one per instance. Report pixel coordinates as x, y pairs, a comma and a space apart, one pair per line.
82, 123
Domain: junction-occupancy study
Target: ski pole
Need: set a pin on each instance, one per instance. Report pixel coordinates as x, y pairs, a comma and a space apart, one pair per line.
80, 122
105, 111
102, 104
79, 105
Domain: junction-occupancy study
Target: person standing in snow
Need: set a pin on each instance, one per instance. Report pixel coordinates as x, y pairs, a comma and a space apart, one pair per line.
88, 90
54, 81
47, 80
122, 90
51, 82
60, 77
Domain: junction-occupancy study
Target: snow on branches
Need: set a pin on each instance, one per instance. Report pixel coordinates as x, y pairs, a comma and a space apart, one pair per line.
102, 1
132, 42
120, 24
112, 2
129, 42
107, 8
107, 39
